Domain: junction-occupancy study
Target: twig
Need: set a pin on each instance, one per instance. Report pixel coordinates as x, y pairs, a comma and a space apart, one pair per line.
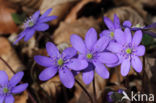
10, 68
83, 88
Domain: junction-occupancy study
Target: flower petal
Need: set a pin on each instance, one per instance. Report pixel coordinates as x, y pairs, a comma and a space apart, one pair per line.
9, 99
69, 53
151, 26
101, 70
47, 19
43, 60
36, 15
116, 22
16, 79
105, 33
66, 77
127, 23
116, 64
128, 35
88, 74
136, 64
20, 88
137, 38
4, 76
52, 50
29, 34
114, 47
119, 36
77, 64
140, 51
20, 36
90, 38
1, 99
41, 27
78, 43
125, 67
46, 13
48, 73
109, 23
101, 44
107, 58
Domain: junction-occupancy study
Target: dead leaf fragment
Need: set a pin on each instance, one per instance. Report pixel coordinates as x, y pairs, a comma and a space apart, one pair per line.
60, 8
21, 98
7, 24
80, 27
125, 13
10, 56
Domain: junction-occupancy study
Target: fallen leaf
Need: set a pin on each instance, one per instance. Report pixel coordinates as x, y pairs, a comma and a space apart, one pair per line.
7, 24
60, 8
21, 98
126, 13
9, 55
80, 27
72, 16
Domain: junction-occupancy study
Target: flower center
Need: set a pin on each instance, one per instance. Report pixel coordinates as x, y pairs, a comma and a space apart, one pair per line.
138, 26
89, 56
60, 62
112, 34
5, 90
128, 51
30, 23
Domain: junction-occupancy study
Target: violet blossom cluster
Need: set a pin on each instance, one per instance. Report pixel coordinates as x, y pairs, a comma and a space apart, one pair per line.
114, 47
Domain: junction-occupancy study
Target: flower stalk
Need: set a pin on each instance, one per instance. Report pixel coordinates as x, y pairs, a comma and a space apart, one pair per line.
83, 88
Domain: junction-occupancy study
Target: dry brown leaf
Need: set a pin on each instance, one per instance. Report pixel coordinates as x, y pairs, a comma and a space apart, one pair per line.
52, 86
80, 96
10, 56
60, 8
72, 16
80, 27
7, 24
135, 4
21, 98
125, 13
150, 3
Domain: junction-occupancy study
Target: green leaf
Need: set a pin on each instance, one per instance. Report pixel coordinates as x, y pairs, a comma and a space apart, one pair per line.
18, 19
147, 40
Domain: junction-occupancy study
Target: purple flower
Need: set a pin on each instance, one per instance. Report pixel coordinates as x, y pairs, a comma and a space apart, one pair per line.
109, 96
8, 88
145, 29
63, 63
128, 50
35, 23
114, 96
111, 26
91, 51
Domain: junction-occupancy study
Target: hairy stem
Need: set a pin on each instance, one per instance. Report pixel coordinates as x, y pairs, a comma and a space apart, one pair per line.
83, 88
94, 90
10, 68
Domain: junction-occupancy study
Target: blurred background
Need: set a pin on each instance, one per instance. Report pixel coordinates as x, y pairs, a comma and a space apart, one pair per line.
74, 17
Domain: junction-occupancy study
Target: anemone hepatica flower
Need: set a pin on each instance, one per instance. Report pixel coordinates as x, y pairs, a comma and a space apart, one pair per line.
114, 96
63, 63
145, 29
35, 23
8, 88
128, 50
111, 26
91, 51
